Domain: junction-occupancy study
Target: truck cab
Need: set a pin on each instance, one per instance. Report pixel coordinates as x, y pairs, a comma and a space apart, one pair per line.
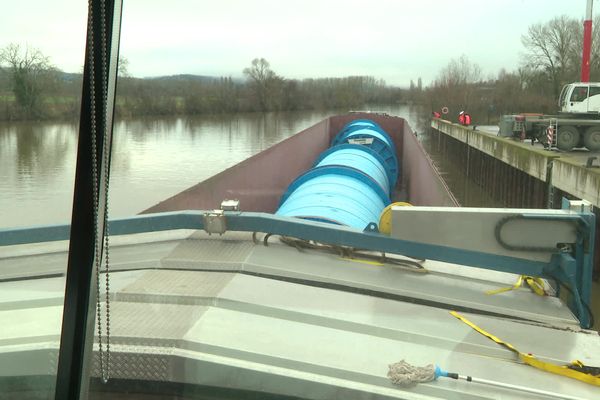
580, 98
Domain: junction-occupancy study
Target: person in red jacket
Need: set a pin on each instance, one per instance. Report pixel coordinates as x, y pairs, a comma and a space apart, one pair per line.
467, 119
464, 118
436, 114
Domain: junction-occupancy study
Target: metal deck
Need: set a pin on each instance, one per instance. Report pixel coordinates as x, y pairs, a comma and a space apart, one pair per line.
224, 311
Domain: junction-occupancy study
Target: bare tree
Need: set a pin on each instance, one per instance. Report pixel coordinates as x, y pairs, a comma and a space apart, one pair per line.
264, 82
123, 69
455, 84
29, 70
554, 48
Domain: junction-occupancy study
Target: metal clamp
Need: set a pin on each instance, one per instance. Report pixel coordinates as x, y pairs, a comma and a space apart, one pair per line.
230, 205
214, 222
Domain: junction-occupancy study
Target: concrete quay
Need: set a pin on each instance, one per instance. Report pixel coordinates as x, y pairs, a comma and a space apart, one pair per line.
567, 171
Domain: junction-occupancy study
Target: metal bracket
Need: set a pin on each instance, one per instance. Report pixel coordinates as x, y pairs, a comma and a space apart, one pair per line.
590, 162
563, 267
230, 205
214, 222
372, 227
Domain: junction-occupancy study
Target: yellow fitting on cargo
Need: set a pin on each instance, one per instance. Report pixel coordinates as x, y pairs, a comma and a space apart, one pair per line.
385, 219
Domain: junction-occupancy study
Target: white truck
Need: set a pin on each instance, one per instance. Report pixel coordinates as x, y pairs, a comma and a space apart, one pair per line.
577, 124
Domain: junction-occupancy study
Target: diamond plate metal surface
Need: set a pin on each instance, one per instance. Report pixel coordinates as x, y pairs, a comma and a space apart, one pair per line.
202, 265
53, 362
209, 252
179, 283
164, 322
150, 367
229, 236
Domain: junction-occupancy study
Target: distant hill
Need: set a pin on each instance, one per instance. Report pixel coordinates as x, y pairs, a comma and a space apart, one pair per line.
69, 77
184, 77
192, 78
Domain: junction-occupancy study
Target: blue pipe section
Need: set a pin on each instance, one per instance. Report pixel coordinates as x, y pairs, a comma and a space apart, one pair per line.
362, 123
338, 195
359, 157
368, 133
349, 184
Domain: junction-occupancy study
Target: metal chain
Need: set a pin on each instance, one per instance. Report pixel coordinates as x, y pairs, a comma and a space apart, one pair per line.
105, 367
94, 155
104, 361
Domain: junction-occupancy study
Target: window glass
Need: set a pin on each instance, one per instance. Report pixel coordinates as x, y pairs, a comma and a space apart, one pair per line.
580, 93
249, 101
594, 90
41, 58
563, 94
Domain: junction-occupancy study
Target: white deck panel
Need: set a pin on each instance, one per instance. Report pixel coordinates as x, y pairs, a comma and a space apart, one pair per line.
231, 326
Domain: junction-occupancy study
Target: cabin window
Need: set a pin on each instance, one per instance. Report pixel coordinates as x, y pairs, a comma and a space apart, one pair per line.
580, 93
594, 91
563, 95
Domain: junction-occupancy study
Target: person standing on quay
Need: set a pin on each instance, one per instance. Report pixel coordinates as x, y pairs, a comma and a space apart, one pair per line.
464, 118
467, 119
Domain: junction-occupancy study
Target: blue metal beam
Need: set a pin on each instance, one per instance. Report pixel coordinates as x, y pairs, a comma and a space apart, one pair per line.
339, 235
121, 226
294, 227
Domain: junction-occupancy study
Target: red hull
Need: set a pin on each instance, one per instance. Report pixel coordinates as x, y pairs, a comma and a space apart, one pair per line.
259, 181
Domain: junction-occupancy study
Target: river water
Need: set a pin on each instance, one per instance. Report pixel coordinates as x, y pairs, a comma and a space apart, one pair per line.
153, 158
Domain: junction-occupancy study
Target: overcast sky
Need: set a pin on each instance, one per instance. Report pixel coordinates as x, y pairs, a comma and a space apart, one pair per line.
395, 40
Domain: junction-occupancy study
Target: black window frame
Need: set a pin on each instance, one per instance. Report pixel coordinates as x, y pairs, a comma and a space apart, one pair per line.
77, 331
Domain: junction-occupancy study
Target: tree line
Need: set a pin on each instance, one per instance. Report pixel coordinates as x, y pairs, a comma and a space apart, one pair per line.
31, 88
261, 90
551, 59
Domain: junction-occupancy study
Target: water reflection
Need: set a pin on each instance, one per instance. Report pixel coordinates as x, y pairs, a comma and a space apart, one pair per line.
40, 150
153, 158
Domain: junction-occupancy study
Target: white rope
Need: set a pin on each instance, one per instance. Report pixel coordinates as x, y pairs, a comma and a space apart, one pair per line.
406, 375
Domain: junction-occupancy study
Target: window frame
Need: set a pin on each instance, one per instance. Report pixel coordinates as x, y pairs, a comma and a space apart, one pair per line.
77, 331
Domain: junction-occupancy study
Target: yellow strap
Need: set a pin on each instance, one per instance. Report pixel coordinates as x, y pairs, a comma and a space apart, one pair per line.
534, 362
484, 333
577, 363
535, 284
363, 261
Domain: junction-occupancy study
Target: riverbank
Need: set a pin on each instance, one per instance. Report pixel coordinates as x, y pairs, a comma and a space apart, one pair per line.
67, 109
58, 95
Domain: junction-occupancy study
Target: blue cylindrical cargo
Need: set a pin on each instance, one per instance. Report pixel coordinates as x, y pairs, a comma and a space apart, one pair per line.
368, 133
350, 183
326, 195
360, 123
358, 157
